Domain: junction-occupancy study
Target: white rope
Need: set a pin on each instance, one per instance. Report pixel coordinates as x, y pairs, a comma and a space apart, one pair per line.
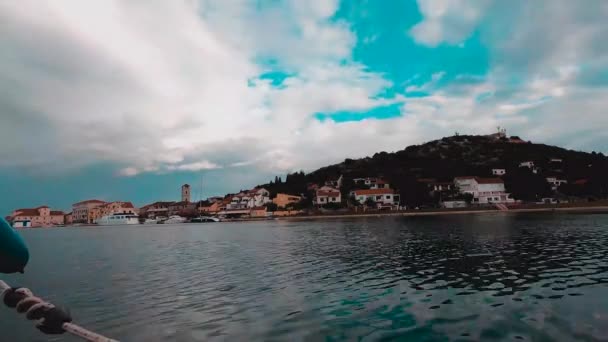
39, 303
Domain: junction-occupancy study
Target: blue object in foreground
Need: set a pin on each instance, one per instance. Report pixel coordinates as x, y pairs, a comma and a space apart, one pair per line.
13, 251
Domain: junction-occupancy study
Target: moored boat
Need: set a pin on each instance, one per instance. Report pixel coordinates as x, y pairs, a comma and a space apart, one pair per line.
118, 219
203, 219
175, 219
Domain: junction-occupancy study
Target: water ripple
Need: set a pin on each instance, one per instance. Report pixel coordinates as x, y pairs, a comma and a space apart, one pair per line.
526, 277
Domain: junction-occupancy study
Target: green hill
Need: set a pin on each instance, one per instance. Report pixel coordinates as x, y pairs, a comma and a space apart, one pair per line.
456, 156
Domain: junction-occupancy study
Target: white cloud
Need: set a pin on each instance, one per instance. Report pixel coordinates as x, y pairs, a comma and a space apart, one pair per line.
447, 21
430, 85
172, 86
198, 166
159, 86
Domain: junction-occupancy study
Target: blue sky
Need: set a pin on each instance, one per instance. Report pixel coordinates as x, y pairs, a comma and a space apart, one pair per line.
127, 101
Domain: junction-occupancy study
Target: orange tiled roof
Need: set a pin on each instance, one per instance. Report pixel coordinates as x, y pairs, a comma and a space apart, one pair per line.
328, 193
28, 212
57, 212
89, 201
373, 192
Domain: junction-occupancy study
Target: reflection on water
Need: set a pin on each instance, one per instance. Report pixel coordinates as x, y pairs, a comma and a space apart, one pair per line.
488, 277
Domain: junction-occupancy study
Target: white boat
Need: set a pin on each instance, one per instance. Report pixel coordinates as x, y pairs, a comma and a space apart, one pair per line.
202, 219
118, 219
175, 219
150, 221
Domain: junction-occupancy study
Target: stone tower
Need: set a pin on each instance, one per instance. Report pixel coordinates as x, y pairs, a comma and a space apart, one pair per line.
186, 193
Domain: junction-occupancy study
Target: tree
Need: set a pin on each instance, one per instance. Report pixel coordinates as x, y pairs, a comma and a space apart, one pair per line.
271, 206
333, 205
468, 197
526, 185
354, 201
370, 203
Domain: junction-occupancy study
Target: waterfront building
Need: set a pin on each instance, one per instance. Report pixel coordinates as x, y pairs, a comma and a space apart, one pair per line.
283, 200
249, 199
239, 201
111, 208
42, 216
156, 209
441, 186
259, 212
326, 195
384, 198
67, 219
258, 197
181, 208
81, 211
484, 190
213, 208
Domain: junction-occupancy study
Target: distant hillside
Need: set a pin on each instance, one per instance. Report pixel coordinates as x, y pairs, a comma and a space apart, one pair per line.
463, 155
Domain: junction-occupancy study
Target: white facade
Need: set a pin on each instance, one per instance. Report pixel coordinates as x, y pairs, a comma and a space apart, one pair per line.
556, 182
499, 172
249, 199
528, 164
372, 182
258, 197
326, 195
439, 187
382, 197
484, 190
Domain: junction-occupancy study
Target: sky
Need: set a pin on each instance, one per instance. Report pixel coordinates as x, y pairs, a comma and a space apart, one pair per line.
127, 100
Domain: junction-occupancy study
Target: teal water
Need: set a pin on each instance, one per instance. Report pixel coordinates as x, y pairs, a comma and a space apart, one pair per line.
488, 277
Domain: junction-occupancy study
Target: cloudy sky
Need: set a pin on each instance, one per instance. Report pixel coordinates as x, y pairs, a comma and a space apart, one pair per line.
126, 100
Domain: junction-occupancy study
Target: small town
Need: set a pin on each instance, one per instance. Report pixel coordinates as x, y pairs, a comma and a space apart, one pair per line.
292, 170
370, 194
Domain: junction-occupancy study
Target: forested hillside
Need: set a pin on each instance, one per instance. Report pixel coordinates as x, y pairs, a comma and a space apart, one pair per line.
447, 158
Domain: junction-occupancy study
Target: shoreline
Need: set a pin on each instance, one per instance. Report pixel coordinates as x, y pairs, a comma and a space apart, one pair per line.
586, 209
598, 209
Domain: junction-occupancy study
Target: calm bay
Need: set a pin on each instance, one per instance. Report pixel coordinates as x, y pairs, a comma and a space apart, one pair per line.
499, 277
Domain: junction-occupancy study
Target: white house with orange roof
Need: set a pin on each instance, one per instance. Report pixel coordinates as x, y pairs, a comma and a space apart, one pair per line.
37, 217
372, 182
384, 198
258, 197
326, 195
